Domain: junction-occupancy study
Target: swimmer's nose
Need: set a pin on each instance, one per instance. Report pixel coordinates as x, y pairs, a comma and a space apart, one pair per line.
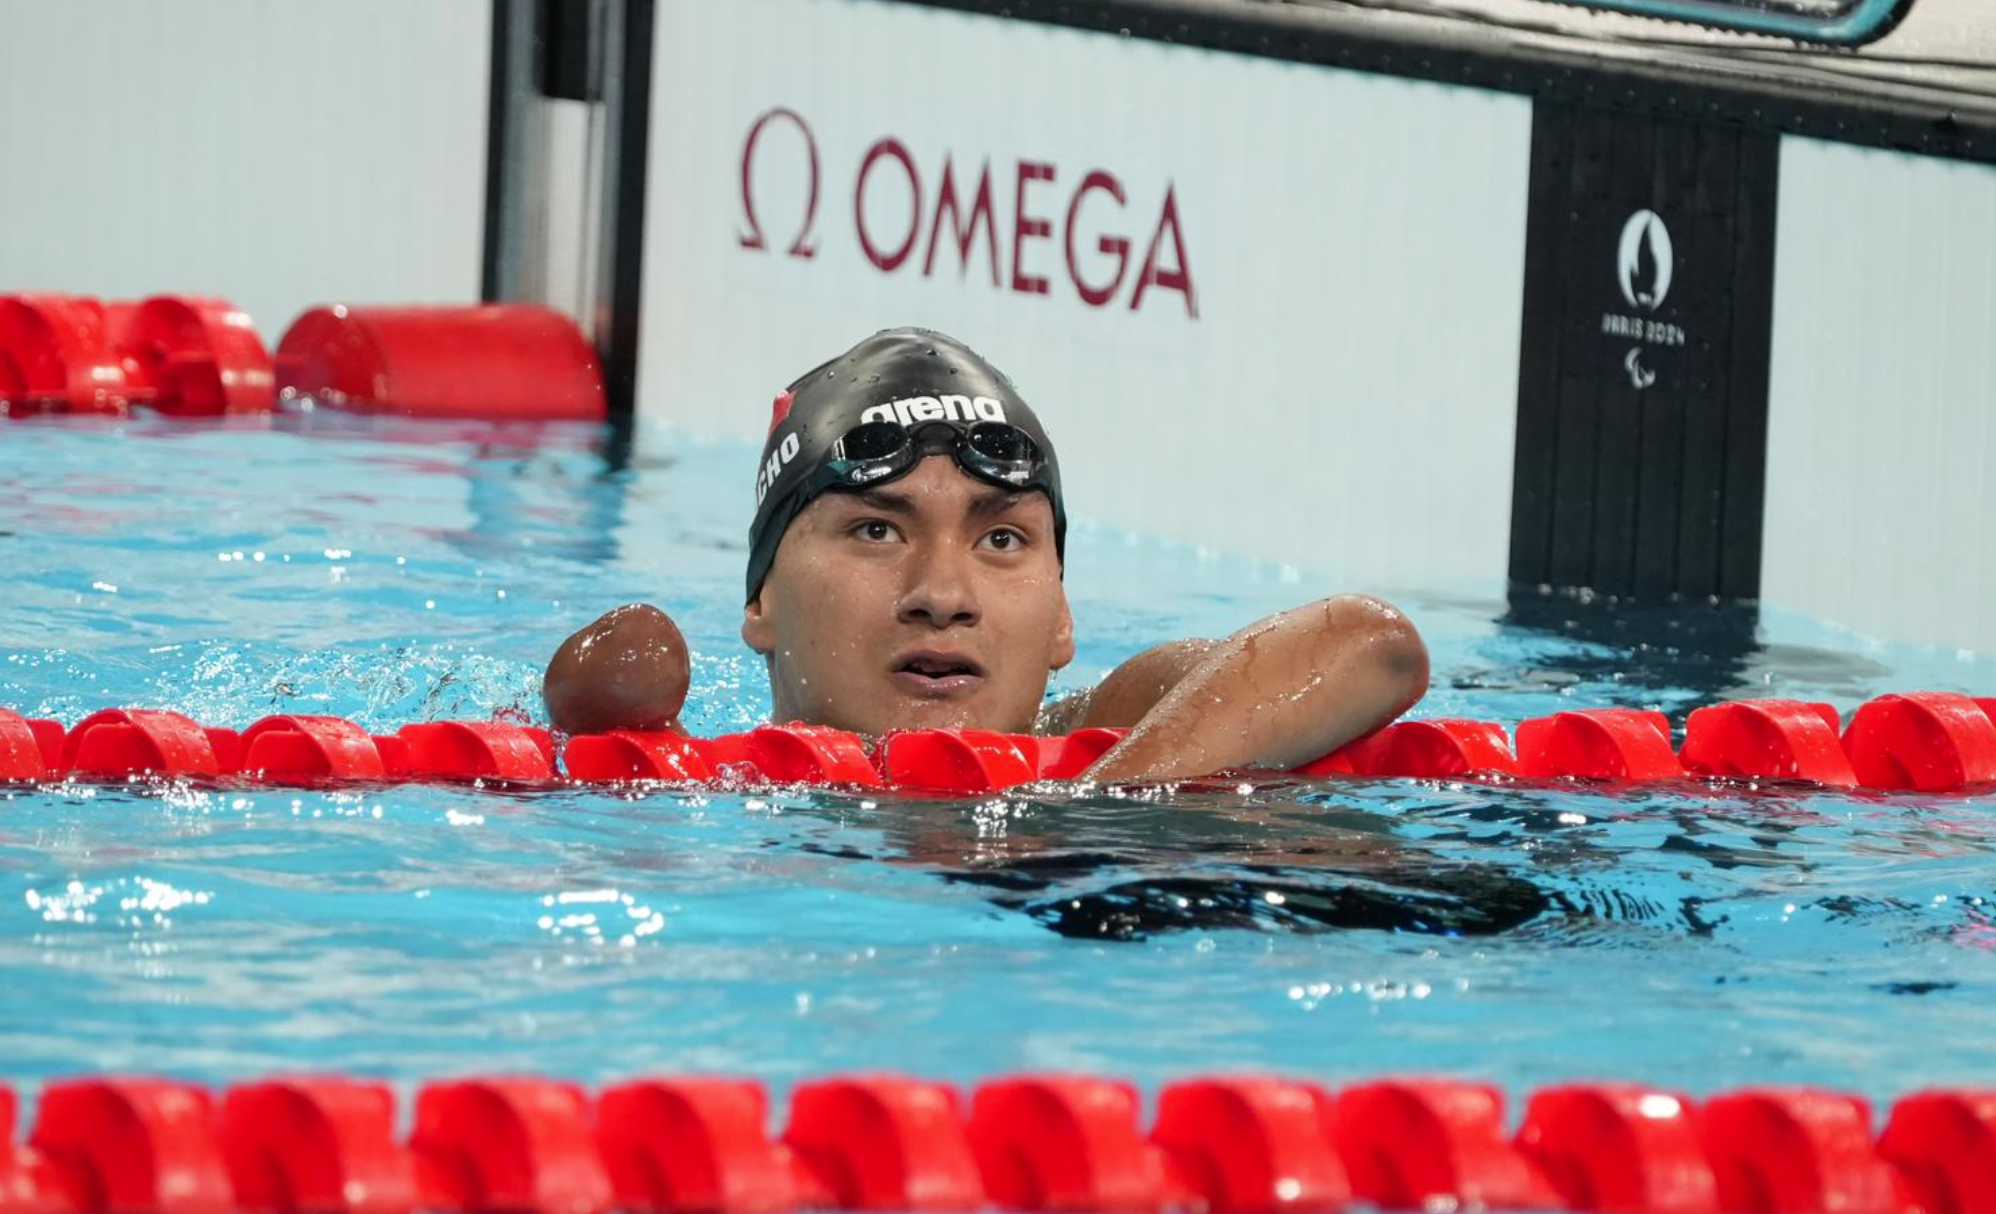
940, 593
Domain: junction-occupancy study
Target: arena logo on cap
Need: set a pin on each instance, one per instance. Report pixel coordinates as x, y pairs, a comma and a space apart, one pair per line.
965, 216
911, 410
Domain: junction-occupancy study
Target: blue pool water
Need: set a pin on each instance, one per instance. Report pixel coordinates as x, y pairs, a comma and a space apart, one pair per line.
1691, 937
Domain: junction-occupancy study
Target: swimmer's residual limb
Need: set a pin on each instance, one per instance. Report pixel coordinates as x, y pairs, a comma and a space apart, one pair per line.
1921, 741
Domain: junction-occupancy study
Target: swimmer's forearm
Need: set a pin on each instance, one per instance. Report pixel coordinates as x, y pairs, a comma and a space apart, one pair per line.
626, 670
1278, 694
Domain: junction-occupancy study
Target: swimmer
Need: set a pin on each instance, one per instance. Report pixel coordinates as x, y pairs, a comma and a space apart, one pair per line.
904, 572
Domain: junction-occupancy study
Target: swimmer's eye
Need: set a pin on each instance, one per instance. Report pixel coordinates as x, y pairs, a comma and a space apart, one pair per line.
1006, 539
875, 531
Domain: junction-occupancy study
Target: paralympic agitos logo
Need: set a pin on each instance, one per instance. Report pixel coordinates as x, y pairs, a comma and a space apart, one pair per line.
918, 214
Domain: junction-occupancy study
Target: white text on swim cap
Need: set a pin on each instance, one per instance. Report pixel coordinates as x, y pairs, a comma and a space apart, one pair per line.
773, 466
912, 409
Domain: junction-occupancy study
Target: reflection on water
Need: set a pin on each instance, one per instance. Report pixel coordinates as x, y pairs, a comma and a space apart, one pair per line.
1699, 935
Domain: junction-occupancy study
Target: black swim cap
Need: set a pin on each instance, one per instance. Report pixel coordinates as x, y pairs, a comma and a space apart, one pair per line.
913, 378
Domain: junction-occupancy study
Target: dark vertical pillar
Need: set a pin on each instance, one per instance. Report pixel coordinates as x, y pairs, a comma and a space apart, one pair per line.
622, 278
1642, 393
597, 53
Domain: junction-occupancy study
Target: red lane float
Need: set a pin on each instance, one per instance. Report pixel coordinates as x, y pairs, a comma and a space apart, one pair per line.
472, 750
1078, 752
1252, 1145
1435, 749
323, 1145
200, 355
1944, 1144
308, 747
1065, 1143
959, 760
525, 1146
628, 754
1619, 1149
1425, 1144
1794, 1150
29, 749
808, 754
56, 355
1934, 742
694, 1144
1227, 1145
188, 355
884, 1142
137, 741
1929, 741
1774, 739
1598, 744
132, 1146
511, 361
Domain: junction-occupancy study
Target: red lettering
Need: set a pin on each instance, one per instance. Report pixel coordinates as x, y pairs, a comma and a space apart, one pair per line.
1023, 228
1179, 279
1115, 246
889, 146
752, 239
966, 233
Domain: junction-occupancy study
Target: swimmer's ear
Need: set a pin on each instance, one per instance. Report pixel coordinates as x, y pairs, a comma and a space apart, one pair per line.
757, 631
1062, 651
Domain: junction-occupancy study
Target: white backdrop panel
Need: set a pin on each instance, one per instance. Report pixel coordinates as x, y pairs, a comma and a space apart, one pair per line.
1881, 395
1336, 389
279, 154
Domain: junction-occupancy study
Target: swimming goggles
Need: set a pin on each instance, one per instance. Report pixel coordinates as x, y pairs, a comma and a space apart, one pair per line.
874, 453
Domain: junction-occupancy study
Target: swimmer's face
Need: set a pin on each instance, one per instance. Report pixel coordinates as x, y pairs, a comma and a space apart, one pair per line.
932, 602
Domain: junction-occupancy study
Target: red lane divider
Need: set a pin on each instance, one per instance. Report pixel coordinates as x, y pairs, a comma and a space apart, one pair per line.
1921, 741
1598, 744
703, 1144
1252, 1146
56, 355
132, 1146
1779, 1151
1071, 1143
200, 356
134, 741
633, 755
1928, 740
515, 361
884, 1142
526, 1146
1944, 1144
1424, 1144
194, 355
1619, 1149
1781, 739
1436, 749
960, 761
325, 1145
181, 354
1065, 1143
301, 747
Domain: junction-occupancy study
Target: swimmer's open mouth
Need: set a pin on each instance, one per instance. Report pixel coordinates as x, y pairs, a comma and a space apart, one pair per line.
931, 664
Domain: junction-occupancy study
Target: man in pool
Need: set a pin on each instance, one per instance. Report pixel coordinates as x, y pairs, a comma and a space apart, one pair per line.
904, 572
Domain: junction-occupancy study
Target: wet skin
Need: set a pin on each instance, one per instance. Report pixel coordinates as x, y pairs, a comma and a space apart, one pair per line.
935, 601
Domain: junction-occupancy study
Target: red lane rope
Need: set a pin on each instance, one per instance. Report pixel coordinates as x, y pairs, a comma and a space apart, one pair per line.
195, 356
1924, 741
1061, 1142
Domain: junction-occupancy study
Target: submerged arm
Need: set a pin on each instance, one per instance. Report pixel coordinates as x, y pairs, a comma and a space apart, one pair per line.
627, 670
1274, 695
